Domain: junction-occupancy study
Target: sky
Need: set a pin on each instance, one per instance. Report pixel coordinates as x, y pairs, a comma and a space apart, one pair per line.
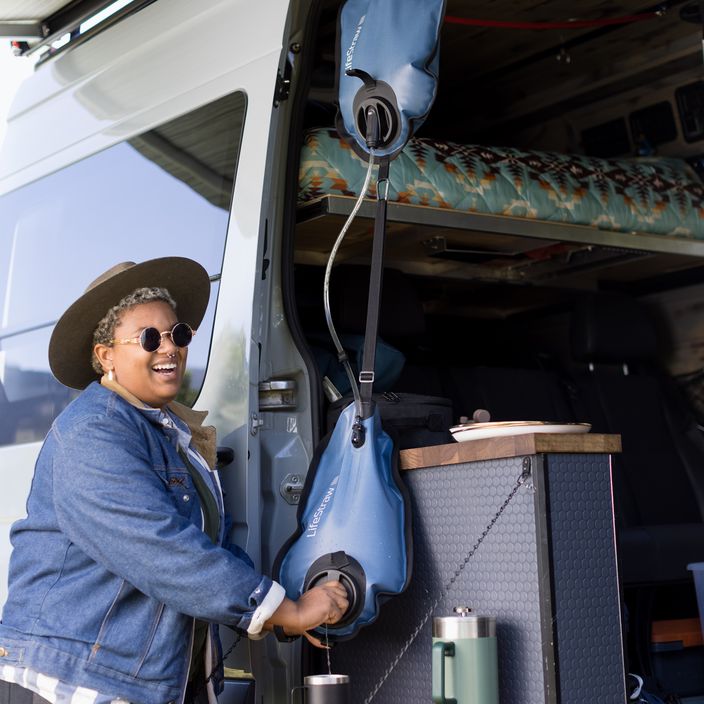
13, 70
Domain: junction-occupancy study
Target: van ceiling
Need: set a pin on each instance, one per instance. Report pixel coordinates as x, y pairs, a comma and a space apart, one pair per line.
495, 81
508, 79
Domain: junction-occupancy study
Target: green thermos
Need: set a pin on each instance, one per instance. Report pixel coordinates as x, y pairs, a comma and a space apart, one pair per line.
465, 661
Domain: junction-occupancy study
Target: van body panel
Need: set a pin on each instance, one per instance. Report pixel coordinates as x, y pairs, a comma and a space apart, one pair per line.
16, 481
163, 61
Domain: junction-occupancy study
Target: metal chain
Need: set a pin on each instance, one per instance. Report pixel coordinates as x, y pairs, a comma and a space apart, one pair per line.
220, 663
525, 475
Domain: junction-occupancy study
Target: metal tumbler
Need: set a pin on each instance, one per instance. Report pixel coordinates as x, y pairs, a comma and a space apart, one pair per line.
325, 689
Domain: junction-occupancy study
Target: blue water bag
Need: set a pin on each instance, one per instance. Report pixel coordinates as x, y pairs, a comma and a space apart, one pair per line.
387, 60
354, 525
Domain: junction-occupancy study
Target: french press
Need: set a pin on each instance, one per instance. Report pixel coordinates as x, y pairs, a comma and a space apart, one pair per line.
465, 660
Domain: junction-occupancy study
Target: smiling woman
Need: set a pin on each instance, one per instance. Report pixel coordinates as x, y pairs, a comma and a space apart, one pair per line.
152, 372
116, 328
141, 561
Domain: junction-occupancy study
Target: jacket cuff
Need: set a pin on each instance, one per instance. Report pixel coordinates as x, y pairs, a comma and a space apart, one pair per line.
264, 611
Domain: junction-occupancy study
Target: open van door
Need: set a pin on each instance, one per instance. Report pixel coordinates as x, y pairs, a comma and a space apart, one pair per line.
148, 137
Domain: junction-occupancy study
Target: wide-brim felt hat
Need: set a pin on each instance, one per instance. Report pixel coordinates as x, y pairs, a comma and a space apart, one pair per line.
71, 344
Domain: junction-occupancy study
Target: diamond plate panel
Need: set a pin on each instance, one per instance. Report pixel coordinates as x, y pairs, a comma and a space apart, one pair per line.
586, 595
451, 507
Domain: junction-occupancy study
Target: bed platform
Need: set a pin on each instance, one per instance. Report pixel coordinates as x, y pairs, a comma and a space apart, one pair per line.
500, 214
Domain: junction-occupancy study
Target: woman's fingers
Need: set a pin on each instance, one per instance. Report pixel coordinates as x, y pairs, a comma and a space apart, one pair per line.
339, 600
315, 641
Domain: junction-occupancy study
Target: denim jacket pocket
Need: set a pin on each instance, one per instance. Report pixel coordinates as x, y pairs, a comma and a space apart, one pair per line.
179, 485
127, 631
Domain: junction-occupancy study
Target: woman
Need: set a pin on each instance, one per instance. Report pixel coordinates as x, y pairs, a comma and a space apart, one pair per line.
122, 561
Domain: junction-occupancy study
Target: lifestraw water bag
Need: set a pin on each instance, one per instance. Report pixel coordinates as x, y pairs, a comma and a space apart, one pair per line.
387, 57
354, 516
354, 524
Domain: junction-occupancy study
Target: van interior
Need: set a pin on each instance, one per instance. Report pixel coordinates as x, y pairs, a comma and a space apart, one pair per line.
504, 308
544, 258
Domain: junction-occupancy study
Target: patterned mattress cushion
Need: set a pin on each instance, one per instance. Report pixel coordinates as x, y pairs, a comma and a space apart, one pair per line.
626, 195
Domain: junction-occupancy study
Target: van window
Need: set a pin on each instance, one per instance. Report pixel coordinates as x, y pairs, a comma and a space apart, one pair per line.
166, 192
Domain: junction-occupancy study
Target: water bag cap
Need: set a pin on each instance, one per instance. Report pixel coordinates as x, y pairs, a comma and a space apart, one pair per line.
343, 568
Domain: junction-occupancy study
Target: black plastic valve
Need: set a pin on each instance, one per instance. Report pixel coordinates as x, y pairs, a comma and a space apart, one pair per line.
338, 566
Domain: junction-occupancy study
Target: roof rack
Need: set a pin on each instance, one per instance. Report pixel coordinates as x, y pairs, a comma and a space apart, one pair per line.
52, 26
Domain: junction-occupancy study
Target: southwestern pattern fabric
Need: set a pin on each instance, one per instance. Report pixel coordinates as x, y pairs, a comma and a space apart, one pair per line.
658, 196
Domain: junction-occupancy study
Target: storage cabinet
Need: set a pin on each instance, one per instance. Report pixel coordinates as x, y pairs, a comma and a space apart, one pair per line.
547, 571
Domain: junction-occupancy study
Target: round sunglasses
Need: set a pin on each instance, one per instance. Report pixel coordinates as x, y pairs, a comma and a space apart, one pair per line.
150, 339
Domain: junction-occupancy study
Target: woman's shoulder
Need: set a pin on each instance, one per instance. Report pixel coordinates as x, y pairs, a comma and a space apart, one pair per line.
96, 404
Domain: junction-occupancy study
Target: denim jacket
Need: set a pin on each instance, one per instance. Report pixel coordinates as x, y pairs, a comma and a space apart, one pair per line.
111, 567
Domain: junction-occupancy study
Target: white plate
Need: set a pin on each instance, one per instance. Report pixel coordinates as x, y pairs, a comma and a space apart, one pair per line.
477, 431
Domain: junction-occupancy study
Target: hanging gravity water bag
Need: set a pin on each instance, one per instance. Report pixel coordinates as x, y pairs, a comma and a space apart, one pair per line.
354, 525
354, 516
387, 57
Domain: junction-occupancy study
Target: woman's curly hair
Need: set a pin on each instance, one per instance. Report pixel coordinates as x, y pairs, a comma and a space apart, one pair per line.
105, 332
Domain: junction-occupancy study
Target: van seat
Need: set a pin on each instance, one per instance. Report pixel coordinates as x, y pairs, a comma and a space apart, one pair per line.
509, 393
401, 323
401, 315
424, 379
659, 476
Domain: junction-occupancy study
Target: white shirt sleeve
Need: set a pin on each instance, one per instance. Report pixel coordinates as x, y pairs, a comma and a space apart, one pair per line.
264, 611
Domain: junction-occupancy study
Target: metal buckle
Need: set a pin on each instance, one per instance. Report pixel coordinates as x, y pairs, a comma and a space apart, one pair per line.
384, 182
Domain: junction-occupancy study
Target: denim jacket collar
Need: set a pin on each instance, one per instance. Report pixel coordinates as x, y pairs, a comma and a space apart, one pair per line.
203, 436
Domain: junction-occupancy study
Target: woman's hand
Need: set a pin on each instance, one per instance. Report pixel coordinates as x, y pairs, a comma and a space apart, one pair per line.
326, 603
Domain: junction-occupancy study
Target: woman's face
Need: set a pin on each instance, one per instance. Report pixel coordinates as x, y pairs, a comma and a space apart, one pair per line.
153, 377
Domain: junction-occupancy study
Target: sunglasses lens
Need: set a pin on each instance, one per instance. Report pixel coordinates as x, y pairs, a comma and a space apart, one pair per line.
150, 339
182, 334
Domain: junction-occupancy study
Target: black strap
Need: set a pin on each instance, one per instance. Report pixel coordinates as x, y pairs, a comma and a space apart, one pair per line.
366, 375
211, 527
282, 637
211, 513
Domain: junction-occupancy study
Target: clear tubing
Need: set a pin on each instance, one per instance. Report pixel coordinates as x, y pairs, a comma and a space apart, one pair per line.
341, 354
